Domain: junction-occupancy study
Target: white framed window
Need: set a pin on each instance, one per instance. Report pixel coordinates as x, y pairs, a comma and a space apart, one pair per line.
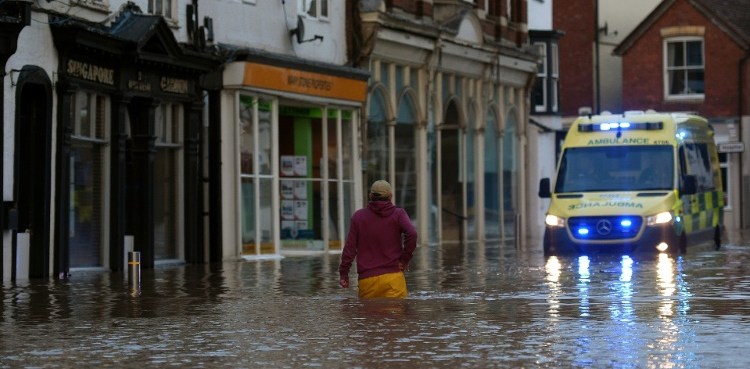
313, 8
554, 75
541, 78
165, 8
684, 68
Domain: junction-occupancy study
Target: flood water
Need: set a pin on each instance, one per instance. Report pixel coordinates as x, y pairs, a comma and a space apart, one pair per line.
474, 306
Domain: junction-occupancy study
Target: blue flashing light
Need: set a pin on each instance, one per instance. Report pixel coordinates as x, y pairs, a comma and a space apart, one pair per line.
626, 223
583, 231
624, 125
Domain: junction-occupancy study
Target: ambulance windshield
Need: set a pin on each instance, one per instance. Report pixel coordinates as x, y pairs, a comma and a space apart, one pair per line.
616, 168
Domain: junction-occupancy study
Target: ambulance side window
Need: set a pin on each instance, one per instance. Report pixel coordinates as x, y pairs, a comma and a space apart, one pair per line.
683, 166
699, 164
706, 179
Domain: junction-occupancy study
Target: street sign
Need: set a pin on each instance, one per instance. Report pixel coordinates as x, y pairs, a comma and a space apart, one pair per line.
731, 147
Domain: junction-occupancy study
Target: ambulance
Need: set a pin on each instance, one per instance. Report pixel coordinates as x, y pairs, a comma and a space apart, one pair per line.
636, 182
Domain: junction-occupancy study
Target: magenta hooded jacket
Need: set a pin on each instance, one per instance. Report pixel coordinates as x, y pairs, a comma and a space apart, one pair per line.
375, 240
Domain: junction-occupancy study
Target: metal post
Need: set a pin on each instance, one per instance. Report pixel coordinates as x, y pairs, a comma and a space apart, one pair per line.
134, 273
518, 231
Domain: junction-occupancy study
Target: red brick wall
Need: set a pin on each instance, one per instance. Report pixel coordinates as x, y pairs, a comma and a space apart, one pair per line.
576, 53
643, 68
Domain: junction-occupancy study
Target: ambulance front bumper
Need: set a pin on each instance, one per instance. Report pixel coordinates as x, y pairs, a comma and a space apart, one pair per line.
558, 240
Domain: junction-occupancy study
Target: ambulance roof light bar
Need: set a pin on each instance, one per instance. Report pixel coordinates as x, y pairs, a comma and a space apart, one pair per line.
620, 126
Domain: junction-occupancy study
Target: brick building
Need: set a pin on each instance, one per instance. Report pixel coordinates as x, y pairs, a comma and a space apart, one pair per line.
691, 55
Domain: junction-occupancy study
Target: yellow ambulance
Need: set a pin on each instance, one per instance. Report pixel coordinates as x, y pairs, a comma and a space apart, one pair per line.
639, 181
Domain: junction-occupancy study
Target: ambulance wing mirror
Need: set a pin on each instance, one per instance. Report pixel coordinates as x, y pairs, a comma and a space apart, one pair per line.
544, 188
689, 185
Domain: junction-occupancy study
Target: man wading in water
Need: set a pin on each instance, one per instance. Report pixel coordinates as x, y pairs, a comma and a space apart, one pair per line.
375, 235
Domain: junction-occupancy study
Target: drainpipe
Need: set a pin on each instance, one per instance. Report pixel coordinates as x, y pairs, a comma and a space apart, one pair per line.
740, 106
596, 50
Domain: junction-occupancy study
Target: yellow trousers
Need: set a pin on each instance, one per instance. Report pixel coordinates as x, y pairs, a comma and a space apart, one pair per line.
384, 285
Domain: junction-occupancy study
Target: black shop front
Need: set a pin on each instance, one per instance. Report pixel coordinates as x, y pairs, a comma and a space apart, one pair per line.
129, 141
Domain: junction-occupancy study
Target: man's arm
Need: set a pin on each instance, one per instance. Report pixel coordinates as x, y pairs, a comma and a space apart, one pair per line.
348, 255
410, 240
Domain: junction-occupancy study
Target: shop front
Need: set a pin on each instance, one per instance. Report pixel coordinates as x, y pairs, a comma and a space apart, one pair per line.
290, 159
128, 166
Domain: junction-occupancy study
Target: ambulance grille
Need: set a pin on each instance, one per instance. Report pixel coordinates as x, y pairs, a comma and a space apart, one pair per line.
605, 227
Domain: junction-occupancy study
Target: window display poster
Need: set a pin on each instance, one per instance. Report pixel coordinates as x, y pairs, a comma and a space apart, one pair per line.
300, 210
300, 190
287, 209
287, 165
300, 224
300, 166
287, 224
288, 190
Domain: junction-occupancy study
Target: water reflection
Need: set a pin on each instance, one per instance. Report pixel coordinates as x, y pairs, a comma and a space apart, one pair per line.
474, 305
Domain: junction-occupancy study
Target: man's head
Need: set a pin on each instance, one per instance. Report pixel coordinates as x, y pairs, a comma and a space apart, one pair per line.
380, 191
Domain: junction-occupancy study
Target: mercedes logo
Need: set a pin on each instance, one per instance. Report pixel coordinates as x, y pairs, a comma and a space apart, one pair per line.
603, 227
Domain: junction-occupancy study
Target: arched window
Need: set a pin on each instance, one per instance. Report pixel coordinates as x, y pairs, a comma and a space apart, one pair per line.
376, 144
491, 178
510, 174
405, 176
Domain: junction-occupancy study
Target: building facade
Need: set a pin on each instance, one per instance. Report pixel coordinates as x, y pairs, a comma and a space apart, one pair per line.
102, 132
446, 114
691, 55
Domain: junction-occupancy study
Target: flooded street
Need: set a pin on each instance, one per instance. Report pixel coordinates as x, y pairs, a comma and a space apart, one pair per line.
469, 306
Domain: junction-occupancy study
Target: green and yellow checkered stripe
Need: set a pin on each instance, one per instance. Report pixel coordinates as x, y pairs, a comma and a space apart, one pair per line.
703, 210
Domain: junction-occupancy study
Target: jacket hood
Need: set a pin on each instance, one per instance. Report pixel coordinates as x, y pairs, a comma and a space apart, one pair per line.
382, 208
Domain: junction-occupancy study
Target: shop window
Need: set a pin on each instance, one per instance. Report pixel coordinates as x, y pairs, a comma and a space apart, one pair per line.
684, 68
167, 180
87, 177
314, 8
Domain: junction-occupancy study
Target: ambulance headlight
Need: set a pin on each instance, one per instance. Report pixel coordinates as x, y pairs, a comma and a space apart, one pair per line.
554, 221
661, 218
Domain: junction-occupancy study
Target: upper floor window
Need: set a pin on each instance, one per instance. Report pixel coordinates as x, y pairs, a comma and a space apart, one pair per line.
540, 90
544, 96
684, 68
165, 8
314, 8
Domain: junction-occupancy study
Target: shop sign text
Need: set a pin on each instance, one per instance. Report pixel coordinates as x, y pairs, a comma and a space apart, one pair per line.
91, 72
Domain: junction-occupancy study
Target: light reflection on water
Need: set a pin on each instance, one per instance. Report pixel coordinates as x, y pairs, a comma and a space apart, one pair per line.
469, 305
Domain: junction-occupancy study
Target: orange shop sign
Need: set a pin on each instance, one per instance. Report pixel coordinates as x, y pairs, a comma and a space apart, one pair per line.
302, 82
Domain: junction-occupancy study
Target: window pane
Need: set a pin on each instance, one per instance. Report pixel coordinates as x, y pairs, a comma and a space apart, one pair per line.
491, 179
83, 115
246, 135
324, 8
247, 190
695, 81
675, 54
347, 144
676, 82
694, 53
264, 137
165, 203
85, 208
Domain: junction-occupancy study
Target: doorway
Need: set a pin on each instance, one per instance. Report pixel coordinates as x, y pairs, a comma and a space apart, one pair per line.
32, 169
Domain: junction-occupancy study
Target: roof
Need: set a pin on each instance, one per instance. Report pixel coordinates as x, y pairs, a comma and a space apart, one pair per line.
731, 16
